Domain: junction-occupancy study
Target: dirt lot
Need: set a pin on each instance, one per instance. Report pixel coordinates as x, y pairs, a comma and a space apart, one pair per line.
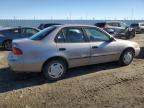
98, 86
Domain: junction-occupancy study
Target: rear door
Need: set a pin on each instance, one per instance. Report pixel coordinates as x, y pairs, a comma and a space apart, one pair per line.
72, 43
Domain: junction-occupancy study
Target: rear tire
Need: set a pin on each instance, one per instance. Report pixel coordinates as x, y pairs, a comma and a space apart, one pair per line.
54, 70
126, 57
7, 45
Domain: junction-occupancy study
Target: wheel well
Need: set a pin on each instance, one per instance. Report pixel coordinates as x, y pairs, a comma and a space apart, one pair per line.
6, 40
55, 58
129, 48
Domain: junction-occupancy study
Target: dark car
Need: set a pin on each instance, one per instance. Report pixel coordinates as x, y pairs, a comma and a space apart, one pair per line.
117, 29
43, 26
139, 27
8, 34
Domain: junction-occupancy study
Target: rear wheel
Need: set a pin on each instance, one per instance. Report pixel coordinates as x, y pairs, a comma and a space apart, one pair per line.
126, 57
7, 45
54, 70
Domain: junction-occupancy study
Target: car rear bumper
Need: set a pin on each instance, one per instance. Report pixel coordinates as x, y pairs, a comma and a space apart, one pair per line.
18, 64
15, 64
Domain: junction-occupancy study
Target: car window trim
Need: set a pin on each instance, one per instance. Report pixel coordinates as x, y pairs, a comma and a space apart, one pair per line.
61, 30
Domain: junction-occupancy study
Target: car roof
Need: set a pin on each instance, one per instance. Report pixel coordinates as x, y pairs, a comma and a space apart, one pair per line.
73, 25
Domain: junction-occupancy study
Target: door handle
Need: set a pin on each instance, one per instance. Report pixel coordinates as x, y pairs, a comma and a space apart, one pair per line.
62, 49
94, 47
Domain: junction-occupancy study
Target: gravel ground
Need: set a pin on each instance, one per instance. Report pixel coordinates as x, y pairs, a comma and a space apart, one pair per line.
98, 86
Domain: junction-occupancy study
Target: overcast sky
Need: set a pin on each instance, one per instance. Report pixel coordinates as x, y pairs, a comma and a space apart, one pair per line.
72, 9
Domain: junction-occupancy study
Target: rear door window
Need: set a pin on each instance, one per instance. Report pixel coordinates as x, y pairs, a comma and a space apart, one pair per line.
60, 37
74, 35
71, 35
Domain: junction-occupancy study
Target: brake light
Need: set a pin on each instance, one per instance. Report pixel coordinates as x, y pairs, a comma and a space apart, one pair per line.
17, 51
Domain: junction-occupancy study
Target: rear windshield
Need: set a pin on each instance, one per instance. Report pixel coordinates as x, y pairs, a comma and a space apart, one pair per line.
43, 33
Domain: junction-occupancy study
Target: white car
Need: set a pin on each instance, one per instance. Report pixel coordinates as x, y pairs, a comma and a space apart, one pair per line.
139, 27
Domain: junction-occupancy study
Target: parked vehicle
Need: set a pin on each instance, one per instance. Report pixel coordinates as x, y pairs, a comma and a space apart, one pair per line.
8, 34
139, 27
117, 29
43, 26
58, 48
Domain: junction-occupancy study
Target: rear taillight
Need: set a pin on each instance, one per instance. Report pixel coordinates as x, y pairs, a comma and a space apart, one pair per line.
17, 51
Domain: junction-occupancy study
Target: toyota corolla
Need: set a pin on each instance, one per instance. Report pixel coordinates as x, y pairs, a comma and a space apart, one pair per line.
58, 48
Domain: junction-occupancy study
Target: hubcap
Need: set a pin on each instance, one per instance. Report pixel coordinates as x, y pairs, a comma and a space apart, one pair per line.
128, 56
55, 70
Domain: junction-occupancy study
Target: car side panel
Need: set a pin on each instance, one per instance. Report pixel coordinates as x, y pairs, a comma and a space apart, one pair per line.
78, 54
105, 52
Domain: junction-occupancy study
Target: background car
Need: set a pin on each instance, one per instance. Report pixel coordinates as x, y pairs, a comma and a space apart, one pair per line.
139, 27
58, 48
8, 34
117, 29
43, 26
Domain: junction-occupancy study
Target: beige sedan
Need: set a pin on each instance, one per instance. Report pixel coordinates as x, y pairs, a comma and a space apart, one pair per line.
58, 48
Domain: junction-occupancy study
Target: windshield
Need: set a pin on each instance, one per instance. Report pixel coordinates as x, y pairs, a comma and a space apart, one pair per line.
43, 33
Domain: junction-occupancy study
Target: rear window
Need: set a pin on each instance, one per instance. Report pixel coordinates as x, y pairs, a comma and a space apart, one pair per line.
42, 34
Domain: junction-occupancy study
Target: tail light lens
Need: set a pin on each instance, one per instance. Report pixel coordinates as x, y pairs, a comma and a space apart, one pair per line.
17, 51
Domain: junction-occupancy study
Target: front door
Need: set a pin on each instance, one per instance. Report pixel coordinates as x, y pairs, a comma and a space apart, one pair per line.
102, 48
